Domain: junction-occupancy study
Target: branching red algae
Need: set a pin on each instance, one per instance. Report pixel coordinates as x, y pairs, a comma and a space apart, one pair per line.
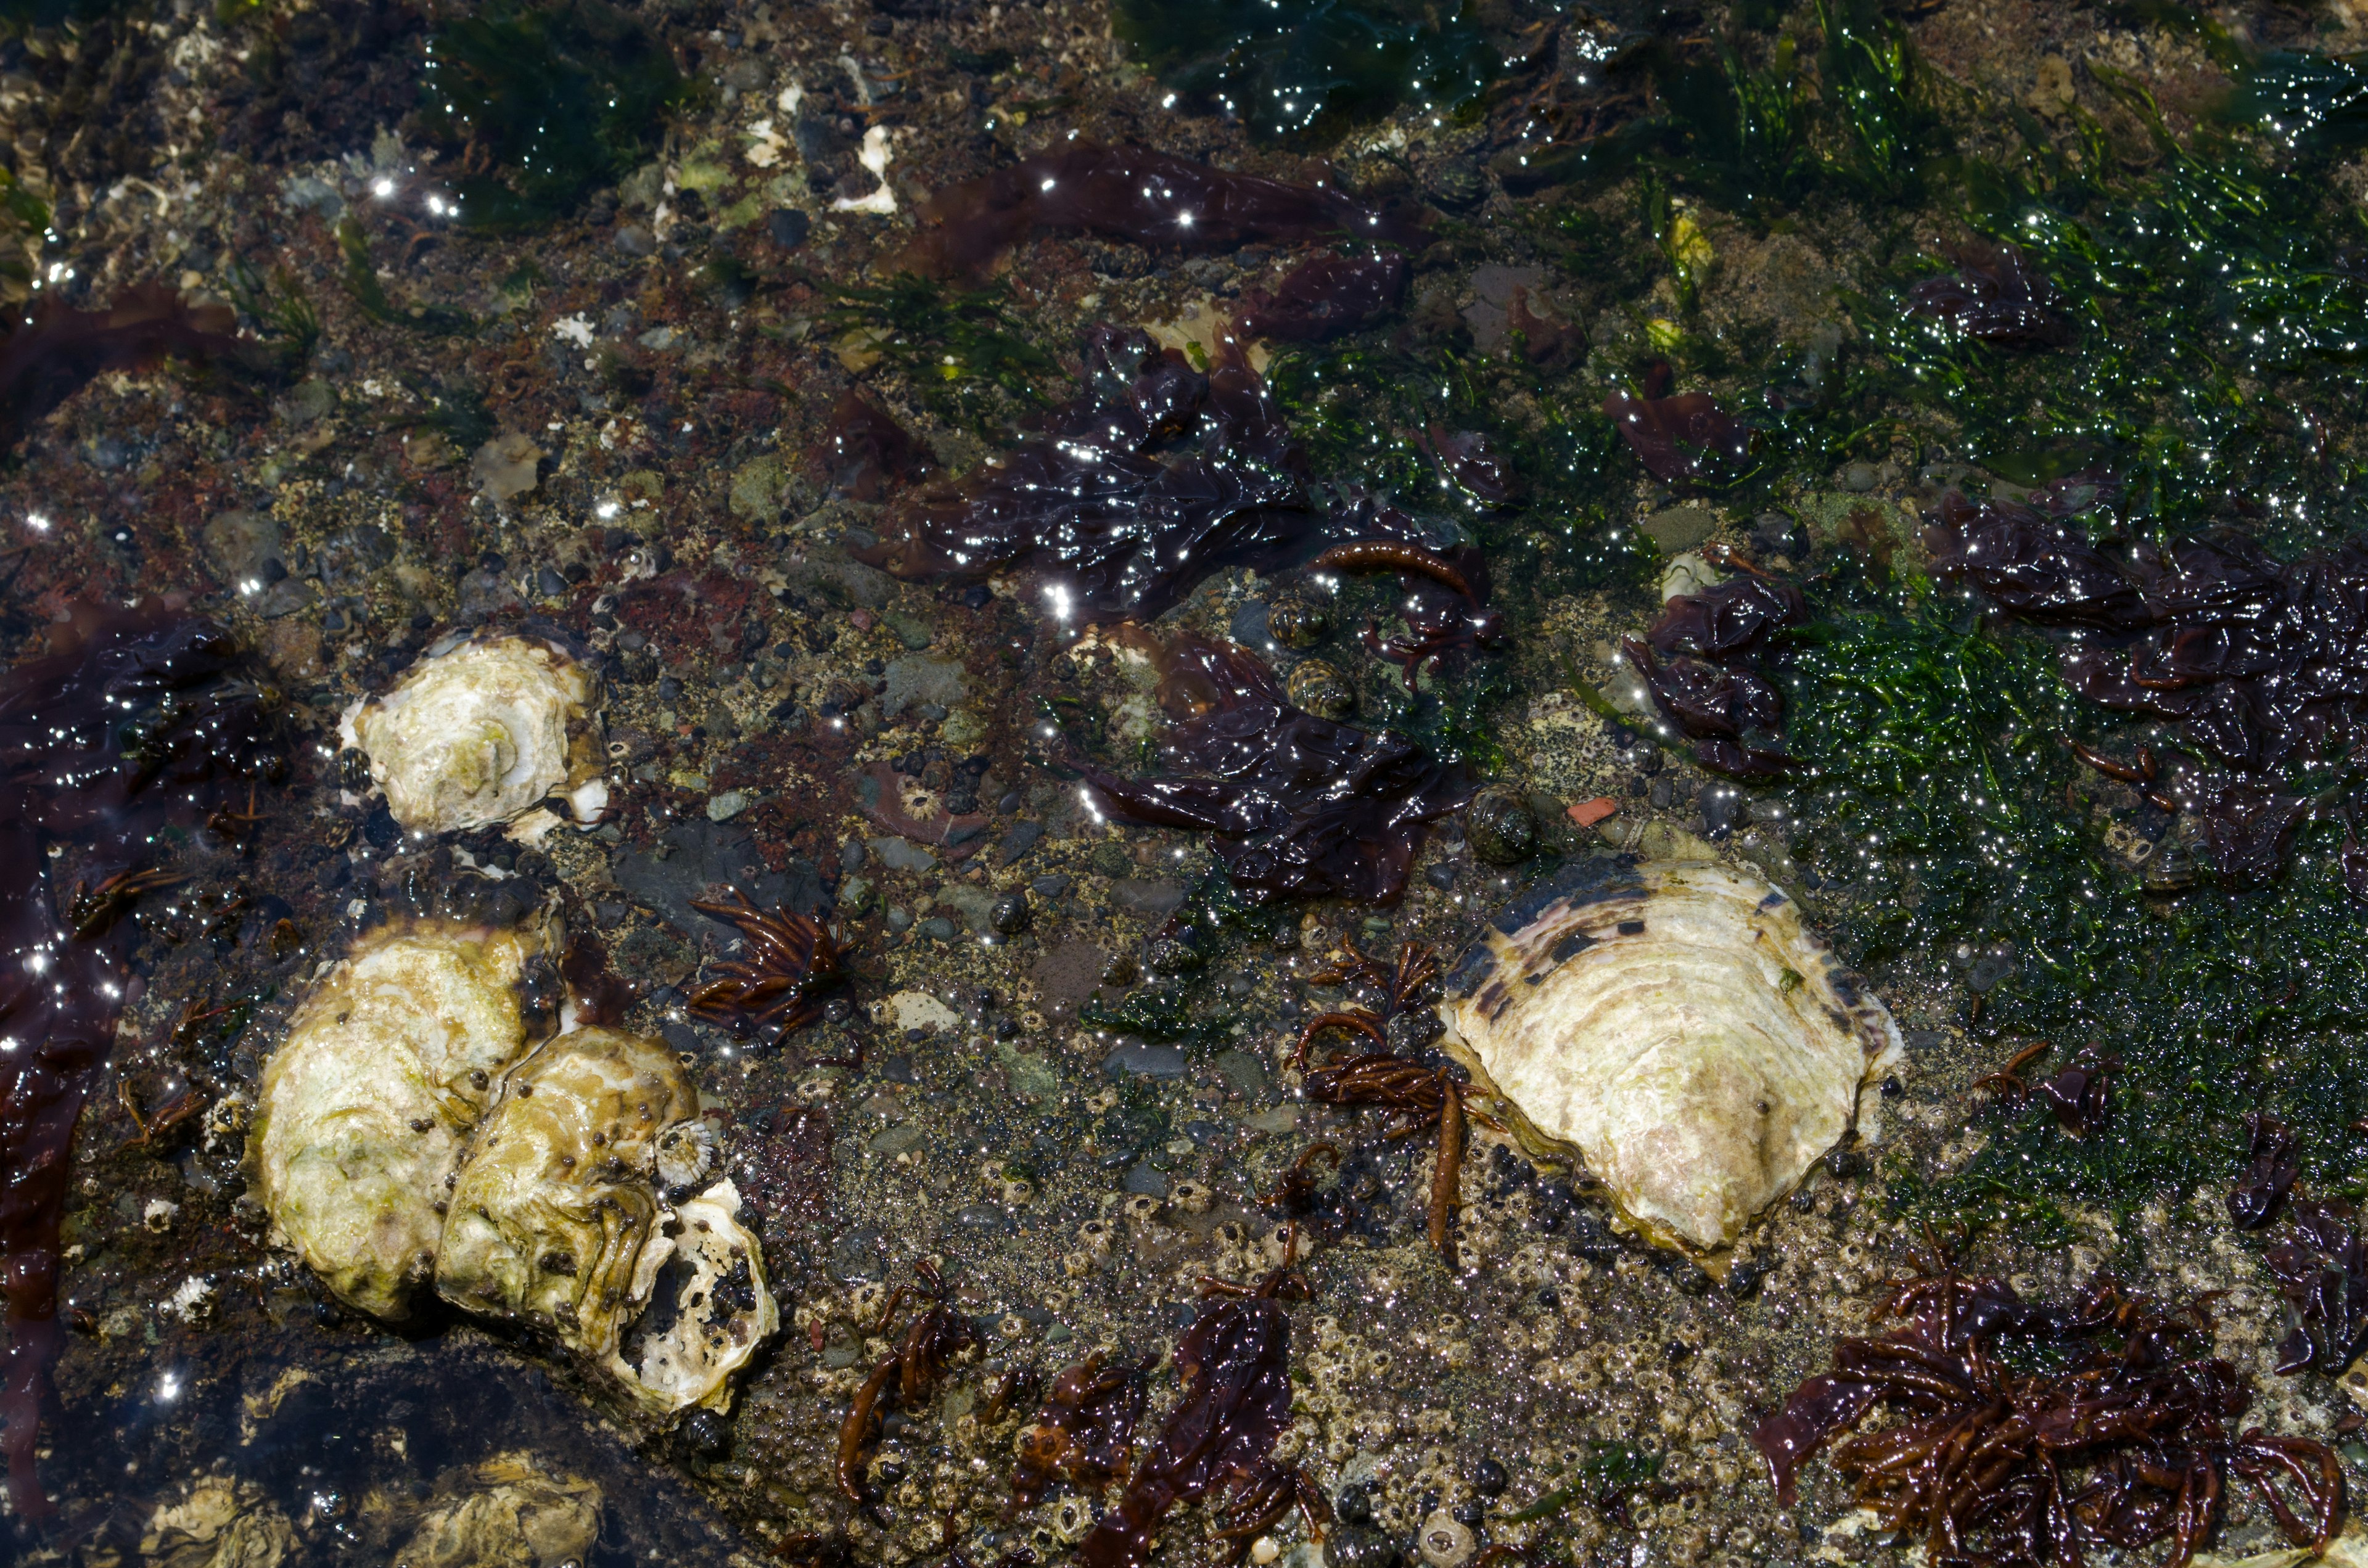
138, 723
1299, 804
903, 1379
2130, 1441
775, 988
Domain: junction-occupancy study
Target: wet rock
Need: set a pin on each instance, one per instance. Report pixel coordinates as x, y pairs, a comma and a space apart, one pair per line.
912, 632
239, 544
1135, 1059
827, 572
789, 227
1146, 1180
1678, 528
903, 855
308, 401
975, 904
635, 241
1249, 626
1015, 844
1243, 1072
938, 928
1149, 898
914, 680
1050, 888
703, 859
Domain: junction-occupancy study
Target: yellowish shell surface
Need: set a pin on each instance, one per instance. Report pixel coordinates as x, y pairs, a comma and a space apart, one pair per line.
367, 1104
709, 1309
483, 732
1677, 1027
558, 1201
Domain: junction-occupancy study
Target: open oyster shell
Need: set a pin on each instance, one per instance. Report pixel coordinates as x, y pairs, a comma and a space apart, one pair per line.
367, 1104
1676, 1028
483, 730
557, 1220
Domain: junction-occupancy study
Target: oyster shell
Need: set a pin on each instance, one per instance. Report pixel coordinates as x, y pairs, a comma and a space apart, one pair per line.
1676, 1027
483, 730
556, 1220
367, 1105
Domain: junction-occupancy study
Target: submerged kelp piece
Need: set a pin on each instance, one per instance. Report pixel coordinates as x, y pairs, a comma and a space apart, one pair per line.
55, 355
1156, 476
1700, 660
138, 723
1155, 199
543, 103
1326, 295
1995, 295
1299, 804
1678, 437
865, 451
2127, 1434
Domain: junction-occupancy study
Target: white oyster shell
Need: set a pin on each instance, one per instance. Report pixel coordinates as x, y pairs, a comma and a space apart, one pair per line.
556, 1220
483, 731
1677, 1026
367, 1105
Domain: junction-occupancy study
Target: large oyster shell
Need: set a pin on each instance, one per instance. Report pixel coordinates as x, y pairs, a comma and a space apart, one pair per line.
368, 1103
483, 731
556, 1220
1676, 1027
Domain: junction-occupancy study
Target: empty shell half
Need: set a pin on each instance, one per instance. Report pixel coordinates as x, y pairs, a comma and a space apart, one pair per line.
483, 730
558, 1219
1676, 1028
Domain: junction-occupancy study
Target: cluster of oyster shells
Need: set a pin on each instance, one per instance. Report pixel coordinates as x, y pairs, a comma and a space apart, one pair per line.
1675, 1029
415, 1134
486, 728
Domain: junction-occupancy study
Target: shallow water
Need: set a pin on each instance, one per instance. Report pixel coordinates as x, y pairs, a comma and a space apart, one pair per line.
897, 408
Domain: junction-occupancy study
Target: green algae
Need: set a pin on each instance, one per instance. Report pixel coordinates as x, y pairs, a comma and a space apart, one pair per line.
1301, 70
544, 104
965, 359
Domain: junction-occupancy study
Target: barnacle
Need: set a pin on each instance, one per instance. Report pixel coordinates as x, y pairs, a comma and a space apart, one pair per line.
1677, 1027
482, 730
367, 1104
2129, 1439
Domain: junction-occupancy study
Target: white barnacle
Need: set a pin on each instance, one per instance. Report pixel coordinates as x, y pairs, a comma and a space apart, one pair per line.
1676, 1028
483, 730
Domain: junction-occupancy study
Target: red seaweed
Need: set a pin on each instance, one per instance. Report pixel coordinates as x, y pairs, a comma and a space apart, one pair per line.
1236, 1360
2321, 1267
1701, 662
138, 724
1115, 516
1299, 805
1084, 1432
1155, 199
1683, 438
57, 352
2262, 665
1995, 295
2272, 1163
866, 452
1325, 296
2128, 1439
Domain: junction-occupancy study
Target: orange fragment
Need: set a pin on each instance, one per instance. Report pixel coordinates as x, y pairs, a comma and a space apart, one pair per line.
1587, 813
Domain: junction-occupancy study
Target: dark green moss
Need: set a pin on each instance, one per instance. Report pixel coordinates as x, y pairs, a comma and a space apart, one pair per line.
543, 105
963, 355
1304, 69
